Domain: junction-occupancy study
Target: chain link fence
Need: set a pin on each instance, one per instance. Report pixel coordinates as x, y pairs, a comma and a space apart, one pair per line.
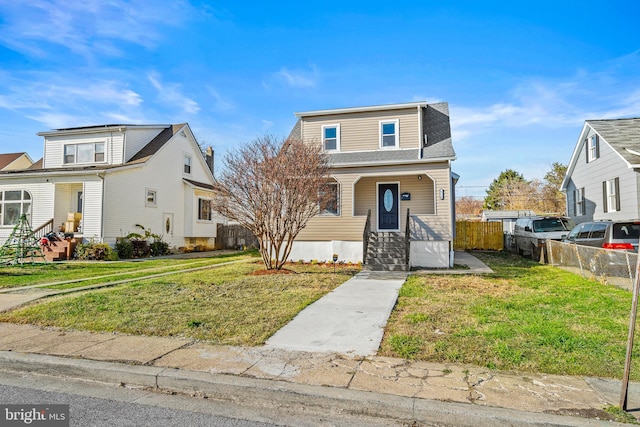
614, 267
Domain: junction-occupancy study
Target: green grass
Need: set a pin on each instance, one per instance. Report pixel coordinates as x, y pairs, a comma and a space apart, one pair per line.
16, 276
226, 305
526, 317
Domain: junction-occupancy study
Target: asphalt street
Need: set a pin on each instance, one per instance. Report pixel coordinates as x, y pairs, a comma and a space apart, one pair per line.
105, 405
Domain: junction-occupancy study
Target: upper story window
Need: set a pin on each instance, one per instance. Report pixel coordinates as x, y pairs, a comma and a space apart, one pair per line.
92, 152
13, 204
593, 148
186, 162
389, 136
331, 137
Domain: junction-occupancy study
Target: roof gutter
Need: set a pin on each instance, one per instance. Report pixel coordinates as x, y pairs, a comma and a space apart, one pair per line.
391, 163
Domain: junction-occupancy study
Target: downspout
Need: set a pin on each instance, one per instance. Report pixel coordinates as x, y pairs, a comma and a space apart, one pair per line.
101, 207
420, 131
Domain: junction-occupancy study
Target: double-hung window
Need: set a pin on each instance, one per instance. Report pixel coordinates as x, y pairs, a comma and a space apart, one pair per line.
331, 137
389, 134
611, 195
593, 148
329, 199
13, 204
186, 164
578, 197
84, 153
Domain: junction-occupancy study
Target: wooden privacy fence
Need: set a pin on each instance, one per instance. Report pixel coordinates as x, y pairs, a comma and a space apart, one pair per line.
479, 235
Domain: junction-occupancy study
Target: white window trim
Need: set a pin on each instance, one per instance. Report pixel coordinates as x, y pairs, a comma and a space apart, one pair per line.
337, 126
396, 123
198, 210
593, 147
329, 214
75, 153
579, 199
22, 202
147, 203
186, 156
611, 196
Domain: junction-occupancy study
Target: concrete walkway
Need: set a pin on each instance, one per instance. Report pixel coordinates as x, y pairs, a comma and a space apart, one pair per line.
348, 320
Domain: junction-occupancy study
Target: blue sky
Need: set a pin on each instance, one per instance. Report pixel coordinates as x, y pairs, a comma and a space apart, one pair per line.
520, 77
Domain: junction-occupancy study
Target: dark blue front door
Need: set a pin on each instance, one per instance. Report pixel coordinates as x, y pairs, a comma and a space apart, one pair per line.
388, 218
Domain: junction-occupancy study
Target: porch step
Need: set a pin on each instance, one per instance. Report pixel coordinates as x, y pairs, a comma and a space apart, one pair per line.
59, 250
386, 251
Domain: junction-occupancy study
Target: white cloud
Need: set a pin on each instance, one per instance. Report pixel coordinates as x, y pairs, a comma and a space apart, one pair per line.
60, 101
171, 94
298, 78
86, 27
219, 102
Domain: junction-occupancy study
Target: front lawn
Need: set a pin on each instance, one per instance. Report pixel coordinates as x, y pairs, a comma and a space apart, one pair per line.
526, 317
226, 305
102, 271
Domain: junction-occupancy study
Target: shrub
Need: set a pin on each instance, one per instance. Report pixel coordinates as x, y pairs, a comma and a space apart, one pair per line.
95, 251
158, 247
141, 248
124, 247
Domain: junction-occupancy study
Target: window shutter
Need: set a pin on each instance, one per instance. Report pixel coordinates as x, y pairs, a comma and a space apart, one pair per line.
604, 197
583, 210
617, 184
597, 146
575, 203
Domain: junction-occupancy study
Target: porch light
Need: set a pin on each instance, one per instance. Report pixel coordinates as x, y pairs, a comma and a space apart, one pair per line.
442, 194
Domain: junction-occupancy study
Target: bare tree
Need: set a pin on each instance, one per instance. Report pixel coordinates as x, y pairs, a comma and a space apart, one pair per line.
468, 207
273, 188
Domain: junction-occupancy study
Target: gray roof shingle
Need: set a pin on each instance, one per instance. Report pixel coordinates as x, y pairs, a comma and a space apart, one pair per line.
620, 134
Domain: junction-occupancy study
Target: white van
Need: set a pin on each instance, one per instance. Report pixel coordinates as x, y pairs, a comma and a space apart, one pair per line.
531, 233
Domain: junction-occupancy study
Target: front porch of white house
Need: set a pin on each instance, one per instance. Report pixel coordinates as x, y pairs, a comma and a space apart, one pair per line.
373, 210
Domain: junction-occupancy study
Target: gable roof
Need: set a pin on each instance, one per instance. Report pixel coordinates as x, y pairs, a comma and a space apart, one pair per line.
155, 144
622, 135
7, 159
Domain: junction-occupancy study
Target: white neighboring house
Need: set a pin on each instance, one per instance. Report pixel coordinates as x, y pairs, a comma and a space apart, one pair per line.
112, 177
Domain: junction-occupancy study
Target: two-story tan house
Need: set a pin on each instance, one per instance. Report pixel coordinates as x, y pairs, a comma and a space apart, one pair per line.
98, 182
386, 161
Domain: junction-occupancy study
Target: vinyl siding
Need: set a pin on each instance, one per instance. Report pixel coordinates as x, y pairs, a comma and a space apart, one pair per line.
136, 139
590, 176
361, 131
54, 147
41, 201
92, 209
434, 214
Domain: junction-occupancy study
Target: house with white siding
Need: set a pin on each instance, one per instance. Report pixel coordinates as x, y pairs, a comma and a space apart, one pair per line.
603, 179
98, 182
392, 184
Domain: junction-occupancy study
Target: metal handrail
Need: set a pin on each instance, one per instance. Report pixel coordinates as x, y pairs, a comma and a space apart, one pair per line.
365, 237
407, 237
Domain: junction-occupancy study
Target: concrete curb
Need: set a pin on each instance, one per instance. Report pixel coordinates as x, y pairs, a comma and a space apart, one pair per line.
286, 397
